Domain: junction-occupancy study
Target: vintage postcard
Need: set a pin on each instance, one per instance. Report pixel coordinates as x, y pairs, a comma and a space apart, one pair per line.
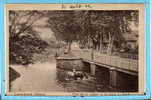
75, 49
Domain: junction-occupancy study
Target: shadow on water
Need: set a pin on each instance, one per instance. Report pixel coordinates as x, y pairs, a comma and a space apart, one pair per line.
97, 83
90, 84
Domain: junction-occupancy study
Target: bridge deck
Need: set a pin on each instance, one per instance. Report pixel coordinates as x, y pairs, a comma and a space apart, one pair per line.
115, 61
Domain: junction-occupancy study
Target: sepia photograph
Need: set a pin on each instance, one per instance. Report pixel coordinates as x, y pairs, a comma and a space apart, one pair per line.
74, 50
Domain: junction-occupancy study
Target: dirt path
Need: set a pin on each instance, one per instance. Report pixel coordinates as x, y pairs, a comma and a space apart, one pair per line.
36, 78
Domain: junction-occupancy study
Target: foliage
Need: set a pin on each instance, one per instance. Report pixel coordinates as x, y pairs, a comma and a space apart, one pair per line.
64, 26
23, 39
92, 28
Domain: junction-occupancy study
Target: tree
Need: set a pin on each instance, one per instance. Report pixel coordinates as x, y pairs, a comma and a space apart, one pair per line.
121, 26
23, 39
64, 26
91, 28
22, 21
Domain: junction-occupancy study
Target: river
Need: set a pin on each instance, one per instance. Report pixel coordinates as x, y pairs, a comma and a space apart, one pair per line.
45, 77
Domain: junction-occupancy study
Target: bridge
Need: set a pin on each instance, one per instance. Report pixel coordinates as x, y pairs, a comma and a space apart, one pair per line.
126, 65
115, 65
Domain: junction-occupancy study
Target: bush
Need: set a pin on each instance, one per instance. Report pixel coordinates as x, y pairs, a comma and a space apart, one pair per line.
22, 48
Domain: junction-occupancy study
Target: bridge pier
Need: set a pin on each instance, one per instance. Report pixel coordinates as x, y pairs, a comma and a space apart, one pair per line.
113, 77
92, 68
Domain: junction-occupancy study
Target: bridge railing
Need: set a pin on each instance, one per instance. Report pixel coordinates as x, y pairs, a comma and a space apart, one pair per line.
123, 63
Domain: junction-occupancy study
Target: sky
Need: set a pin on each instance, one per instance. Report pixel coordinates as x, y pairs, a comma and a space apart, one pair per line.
44, 32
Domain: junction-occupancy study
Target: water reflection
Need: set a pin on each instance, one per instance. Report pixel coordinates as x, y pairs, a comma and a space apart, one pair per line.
89, 84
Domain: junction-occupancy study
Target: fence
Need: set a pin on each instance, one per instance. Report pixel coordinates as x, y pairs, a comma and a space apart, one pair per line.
117, 61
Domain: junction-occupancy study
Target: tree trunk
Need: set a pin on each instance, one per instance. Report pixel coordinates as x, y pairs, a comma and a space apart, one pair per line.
110, 45
92, 49
97, 46
100, 47
89, 43
69, 46
92, 53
